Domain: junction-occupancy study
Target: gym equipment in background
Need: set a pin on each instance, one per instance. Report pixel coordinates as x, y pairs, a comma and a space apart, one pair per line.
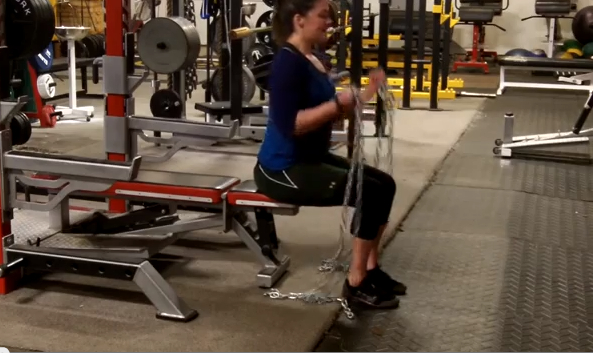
519, 52
552, 11
73, 111
479, 14
526, 146
581, 26
528, 63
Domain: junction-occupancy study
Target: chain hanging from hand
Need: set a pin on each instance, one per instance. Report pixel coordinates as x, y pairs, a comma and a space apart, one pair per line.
339, 262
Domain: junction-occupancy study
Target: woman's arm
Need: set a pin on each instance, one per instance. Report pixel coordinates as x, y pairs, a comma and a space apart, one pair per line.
311, 119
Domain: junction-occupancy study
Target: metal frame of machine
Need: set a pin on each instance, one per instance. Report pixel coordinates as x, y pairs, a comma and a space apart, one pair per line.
228, 202
542, 64
511, 145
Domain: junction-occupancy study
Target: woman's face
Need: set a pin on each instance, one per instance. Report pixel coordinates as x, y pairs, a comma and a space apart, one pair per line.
316, 22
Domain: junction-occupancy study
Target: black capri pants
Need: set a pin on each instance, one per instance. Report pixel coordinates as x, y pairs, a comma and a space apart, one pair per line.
324, 183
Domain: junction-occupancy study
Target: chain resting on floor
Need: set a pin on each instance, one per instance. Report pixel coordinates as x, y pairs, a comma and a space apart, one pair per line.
339, 262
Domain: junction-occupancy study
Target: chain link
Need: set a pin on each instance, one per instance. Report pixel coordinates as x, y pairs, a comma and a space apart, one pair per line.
192, 71
339, 262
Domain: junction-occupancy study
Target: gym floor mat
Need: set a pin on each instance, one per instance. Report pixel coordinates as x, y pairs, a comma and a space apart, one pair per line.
497, 256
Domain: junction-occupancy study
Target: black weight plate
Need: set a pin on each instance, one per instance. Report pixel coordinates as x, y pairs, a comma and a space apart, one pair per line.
21, 19
45, 27
166, 103
265, 20
19, 128
15, 129
89, 43
81, 49
255, 52
262, 72
27, 128
101, 39
96, 46
50, 24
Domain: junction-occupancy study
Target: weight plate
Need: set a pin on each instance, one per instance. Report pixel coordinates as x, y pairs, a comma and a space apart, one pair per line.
20, 128
168, 44
101, 38
27, 129
90, 44
255, 52
22, 19
219, 39
248, 81
166, 103
265, 20
47, 117
46, 86
45, 28
97, 46
43, 61
15, 129
263, 64
49, 25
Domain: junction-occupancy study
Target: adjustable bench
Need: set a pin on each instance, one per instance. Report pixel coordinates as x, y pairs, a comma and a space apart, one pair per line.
479, 14
552, 10
542, 64
245, 197
224, 197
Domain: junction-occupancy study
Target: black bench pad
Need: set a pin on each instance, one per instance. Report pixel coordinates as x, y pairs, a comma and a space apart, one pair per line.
476, 14
224, 108
552, 7
545, 62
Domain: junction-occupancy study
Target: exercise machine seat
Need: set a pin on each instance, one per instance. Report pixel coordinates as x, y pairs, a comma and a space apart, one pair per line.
246, 194
553, 7
495, 5
476, 14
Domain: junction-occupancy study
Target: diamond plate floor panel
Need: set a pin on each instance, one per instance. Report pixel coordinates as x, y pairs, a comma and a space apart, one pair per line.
497, 256
454, 285
537, 177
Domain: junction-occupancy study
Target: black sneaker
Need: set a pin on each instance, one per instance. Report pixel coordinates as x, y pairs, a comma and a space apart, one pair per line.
370, 295
383, 280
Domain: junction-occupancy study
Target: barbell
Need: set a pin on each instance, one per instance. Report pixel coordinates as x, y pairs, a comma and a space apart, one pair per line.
243, 32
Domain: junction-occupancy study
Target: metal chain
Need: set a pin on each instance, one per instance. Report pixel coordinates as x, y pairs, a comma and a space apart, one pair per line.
191, 71
339, 262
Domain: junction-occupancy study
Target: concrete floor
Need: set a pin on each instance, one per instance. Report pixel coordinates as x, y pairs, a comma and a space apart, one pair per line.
213, 272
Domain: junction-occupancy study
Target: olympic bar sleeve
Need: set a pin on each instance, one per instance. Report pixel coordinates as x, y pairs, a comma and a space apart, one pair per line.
288, 89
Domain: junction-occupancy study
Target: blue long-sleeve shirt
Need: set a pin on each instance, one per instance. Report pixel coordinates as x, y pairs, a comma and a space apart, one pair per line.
295, 84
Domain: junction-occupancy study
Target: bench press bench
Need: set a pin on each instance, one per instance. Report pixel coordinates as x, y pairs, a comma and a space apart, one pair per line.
509, 63
226, 199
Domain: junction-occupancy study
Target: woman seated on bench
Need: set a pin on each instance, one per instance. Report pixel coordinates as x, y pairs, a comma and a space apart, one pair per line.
294, 163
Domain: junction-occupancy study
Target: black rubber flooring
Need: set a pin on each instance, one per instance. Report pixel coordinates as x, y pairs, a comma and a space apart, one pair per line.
497, 254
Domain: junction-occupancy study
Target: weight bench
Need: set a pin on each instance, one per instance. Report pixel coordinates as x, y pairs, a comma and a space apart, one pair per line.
509, 63
479, 14
69, 253
226, 200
